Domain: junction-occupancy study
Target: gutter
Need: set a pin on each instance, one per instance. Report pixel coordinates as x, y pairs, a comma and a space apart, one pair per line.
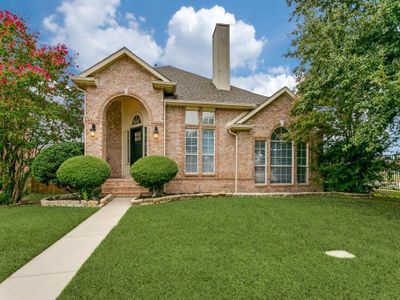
165, 126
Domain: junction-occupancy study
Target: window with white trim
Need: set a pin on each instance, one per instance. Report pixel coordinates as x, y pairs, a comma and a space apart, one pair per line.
208, 153
208, 118
302, 163
192, 117
281, 157
191, 150
259, 162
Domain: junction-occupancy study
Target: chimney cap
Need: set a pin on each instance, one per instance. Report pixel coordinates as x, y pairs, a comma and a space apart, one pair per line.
219, 24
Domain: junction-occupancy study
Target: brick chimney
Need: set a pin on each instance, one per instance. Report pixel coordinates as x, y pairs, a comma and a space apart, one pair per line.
221, 57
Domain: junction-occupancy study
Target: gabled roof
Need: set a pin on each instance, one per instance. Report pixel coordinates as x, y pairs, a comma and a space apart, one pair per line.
117, 55
196, 88
284, 90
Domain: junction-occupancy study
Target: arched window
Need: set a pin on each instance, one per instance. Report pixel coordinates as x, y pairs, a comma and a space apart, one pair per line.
136, 120
281, 157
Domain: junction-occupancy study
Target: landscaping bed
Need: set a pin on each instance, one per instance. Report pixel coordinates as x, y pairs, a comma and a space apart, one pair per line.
72, 201
248, 247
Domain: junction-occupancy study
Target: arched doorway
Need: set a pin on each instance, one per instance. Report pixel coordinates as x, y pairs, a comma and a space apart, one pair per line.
125, 137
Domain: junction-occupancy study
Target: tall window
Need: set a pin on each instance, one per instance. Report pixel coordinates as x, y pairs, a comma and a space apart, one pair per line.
259, 162
191, 151
200, 124
281, 157
301, 163
208, 151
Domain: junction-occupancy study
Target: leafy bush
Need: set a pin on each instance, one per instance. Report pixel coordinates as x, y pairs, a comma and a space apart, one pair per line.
46, 164
5, 193
153, 172
84, 174
350, 169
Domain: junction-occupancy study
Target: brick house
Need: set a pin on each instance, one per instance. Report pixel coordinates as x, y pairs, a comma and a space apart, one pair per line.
223, 138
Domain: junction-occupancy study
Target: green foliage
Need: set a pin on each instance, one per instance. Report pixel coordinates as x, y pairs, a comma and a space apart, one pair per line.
5, 194
38, 104
84, 174
349, 86
46, 164
153, 172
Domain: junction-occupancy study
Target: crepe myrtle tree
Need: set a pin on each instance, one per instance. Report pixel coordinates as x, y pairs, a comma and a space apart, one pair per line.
38, 104
348, 85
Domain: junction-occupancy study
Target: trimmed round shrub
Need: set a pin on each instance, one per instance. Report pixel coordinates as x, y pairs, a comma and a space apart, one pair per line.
47, 162
153, 172
84, 174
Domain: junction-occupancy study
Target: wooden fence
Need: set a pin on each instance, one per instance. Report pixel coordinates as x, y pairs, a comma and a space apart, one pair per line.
40, 188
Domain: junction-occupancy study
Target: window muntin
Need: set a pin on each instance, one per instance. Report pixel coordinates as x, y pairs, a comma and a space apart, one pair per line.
192, 117
281, 157
208, 153
136, 120
259, 162
208, 118
191, 150
302, 163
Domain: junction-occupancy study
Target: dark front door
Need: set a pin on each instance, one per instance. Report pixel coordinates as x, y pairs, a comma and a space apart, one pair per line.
136, 144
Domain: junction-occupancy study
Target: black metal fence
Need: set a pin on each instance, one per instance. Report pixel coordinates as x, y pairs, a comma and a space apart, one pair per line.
392, 177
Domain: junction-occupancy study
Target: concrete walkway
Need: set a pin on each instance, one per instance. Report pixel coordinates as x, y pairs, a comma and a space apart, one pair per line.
45, 276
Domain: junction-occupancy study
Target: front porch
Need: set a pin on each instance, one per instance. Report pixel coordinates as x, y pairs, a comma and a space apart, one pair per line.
122, 187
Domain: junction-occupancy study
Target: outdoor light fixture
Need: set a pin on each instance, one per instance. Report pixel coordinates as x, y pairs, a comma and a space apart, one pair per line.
155, 132
93, 130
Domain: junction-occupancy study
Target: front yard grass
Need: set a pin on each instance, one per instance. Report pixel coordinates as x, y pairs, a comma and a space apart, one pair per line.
27, 230
248, 247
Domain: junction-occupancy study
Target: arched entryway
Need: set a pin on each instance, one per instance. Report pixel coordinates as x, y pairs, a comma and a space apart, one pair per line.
125, 139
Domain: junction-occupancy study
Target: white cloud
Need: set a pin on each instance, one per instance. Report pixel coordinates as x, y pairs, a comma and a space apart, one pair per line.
91, 28
266, 83
189, 40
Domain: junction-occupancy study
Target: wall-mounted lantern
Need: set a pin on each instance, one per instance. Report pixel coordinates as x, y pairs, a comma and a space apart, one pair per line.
93, 130
155, 132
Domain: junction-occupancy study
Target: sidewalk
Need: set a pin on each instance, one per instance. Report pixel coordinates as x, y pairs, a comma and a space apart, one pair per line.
45, 276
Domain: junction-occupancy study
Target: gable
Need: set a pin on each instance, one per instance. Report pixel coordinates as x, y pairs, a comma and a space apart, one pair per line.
274, 97
116, 56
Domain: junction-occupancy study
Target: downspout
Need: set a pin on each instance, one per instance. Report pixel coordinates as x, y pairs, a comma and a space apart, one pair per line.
236, 159
165, 125
84, 117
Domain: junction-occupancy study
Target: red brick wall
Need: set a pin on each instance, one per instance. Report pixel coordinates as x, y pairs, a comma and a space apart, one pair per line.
128, 79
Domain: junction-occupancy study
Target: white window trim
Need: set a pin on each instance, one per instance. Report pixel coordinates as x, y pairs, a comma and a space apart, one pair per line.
202, 154
137, 125
198, 121
208, 111
306, 166
265, 164
197, 152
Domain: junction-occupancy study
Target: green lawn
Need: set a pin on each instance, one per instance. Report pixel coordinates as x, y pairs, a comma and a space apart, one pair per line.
27, 230
229, 248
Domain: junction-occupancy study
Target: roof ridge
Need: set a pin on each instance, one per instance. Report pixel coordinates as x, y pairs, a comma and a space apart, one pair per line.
203, 77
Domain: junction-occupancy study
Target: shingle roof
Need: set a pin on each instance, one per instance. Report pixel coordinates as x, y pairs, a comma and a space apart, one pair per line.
192, 87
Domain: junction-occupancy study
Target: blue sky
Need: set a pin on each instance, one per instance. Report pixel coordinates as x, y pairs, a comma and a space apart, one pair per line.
174, 33
170, 32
